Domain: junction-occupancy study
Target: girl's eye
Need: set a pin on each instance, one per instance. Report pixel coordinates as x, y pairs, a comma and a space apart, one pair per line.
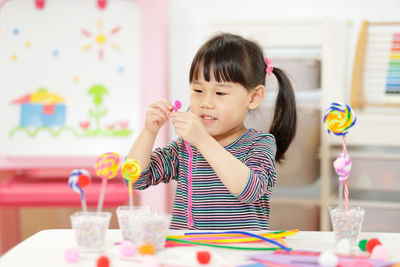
197, 91
221, 93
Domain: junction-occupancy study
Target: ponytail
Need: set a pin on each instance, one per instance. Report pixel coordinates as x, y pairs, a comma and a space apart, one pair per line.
283, 125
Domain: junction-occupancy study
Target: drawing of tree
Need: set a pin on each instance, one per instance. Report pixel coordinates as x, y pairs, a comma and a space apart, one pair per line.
97, 92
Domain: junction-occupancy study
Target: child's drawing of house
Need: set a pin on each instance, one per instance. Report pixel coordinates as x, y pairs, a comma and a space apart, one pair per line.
41, 109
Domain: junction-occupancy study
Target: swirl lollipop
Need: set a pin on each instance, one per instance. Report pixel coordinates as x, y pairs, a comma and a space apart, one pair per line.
131, 171
78, 179
339, 118
106, 167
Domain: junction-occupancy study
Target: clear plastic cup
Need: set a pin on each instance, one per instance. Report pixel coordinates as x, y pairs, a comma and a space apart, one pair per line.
149, 228
347, 224
90, 229
123, 219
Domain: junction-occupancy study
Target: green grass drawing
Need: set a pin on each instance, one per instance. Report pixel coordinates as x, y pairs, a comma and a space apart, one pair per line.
33, 132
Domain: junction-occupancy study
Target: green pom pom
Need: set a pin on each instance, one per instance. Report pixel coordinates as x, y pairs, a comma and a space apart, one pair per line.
362, 244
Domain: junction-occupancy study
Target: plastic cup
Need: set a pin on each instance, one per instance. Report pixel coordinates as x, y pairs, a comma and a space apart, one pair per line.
347, 224
90, 229
149, 228
123, 219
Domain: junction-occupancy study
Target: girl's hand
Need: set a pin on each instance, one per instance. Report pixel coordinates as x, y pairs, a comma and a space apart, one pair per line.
189, 127
157, 115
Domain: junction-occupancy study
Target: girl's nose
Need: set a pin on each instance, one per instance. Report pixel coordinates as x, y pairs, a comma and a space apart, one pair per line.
207, 102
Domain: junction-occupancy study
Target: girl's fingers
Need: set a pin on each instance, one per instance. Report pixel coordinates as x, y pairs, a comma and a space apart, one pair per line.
180, 116
162, 105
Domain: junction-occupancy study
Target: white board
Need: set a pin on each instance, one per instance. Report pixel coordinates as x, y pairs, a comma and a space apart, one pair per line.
67, 48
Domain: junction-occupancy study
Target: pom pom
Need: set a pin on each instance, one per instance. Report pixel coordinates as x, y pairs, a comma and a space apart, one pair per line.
343, 246
127, 249
327, 259
71, 255
150, 261
362, 244
380, 252
147, 249
103, 261
177, 105
372, 243
203, 257
342, 165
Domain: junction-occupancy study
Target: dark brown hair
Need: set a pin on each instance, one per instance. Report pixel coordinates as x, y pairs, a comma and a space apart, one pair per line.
233, 58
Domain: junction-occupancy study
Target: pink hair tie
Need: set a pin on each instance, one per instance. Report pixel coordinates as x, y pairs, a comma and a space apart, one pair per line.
269, 68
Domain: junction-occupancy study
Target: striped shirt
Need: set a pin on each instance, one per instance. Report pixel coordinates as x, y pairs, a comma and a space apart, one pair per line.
213, 206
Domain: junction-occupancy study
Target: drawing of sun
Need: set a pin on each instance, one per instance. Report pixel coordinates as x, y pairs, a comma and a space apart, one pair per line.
100, 39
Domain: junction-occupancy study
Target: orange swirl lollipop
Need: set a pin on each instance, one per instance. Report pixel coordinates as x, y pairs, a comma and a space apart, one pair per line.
131, 171
106, 167
339, 118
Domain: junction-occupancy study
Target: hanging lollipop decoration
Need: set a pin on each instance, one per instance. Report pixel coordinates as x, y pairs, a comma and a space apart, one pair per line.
338, 119
106, 167
78, 179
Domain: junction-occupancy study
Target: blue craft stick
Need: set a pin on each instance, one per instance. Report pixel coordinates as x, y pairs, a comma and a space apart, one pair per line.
244, 233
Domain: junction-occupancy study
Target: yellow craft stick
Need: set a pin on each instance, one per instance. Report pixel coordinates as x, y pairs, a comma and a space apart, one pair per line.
205, 236
244, 240
239, 239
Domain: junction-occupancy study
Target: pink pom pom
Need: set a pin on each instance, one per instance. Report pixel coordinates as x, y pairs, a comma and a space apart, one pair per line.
150, 261
71, 255
380, 252
127, 249
177, 105
342, 165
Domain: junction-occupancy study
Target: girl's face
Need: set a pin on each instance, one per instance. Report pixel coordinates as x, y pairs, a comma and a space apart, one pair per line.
221, 106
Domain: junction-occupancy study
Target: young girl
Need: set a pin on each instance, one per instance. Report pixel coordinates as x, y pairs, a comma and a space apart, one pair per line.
225, 173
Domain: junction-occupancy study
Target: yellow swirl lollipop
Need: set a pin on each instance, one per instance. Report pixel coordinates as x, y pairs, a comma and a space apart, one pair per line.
339, 118
131, 171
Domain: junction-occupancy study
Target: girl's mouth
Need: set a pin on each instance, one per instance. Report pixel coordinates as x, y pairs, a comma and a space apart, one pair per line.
207, 118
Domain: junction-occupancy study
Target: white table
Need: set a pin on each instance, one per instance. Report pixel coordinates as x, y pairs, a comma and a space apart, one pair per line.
46, 248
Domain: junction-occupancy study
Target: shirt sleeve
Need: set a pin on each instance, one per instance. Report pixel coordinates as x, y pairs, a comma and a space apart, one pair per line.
162, 168
262, 174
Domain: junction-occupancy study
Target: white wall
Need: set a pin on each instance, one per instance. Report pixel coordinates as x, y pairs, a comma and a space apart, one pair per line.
189, 17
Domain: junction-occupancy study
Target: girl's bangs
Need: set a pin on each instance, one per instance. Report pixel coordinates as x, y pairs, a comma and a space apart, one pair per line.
223, 69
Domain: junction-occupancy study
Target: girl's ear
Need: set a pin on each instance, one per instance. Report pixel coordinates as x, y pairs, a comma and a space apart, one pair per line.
257, 96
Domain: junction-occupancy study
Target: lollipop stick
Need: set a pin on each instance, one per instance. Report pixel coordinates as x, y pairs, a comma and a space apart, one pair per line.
102, 193
84, 207
345, 186
130, 194
340, 203
346, 194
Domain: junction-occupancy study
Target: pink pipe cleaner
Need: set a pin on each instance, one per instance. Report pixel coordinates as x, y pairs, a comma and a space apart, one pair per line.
177, 106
